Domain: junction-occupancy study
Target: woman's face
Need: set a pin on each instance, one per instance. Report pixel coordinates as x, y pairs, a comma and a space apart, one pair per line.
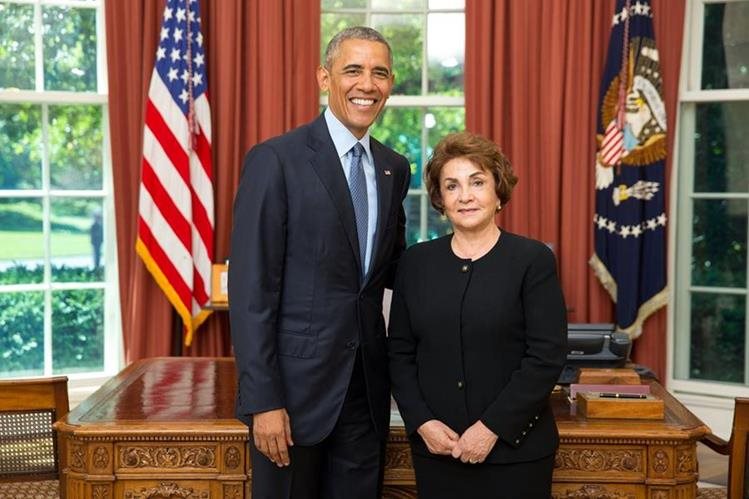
468, 195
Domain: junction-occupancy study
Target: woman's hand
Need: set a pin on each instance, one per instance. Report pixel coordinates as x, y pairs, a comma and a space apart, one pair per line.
475, 444
440, 439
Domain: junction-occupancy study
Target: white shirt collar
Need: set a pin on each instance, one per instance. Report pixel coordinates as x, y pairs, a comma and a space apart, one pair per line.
343, 139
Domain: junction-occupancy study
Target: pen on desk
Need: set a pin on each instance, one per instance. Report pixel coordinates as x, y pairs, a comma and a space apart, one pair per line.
611, 395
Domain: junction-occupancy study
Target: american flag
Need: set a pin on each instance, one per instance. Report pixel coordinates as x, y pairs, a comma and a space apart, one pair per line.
175, 212
629, 223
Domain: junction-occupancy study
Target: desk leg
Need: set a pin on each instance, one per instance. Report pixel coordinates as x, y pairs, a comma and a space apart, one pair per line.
672, 471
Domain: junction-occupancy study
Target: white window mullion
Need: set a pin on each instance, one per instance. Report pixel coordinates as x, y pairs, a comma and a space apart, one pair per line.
22, 288
423, 199
716, 95
102, 82
112, 319
114, 351
425, 54
22, 193
52, 97
719, 195
38, 49
69, 286
682, 292
425, 100
717, 290
424, 204
86, 4
696, 24
47, 241
423, 216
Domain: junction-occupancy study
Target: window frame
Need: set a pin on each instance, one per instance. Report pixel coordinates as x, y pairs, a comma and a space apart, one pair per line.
112, 334
710, 395
422, 102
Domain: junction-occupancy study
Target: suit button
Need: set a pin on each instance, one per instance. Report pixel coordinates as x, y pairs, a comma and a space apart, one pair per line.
351, 345
464, 268
524, 432
361, 297
460, 385
517, 441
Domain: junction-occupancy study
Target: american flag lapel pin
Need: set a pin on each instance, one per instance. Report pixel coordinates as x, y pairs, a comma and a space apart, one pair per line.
387, 172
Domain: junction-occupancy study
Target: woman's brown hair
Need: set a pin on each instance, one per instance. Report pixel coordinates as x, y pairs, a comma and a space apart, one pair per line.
482, 152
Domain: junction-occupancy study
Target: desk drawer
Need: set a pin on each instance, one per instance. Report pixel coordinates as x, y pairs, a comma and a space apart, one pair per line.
167, 457
593, 462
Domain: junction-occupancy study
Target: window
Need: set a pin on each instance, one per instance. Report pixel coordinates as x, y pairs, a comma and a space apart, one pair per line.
710, 353
428, 39
58, 294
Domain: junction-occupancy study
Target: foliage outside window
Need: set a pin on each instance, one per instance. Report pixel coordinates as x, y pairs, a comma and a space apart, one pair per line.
57, 272
710, 329
428, 39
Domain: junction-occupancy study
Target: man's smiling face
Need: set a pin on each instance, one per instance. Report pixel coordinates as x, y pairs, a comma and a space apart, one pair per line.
358, 83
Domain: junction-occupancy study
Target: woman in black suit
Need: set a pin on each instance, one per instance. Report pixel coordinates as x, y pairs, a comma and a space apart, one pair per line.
477, 338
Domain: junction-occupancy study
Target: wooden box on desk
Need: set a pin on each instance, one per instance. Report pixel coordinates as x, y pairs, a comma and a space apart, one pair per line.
596, 405
616, 376
219, 279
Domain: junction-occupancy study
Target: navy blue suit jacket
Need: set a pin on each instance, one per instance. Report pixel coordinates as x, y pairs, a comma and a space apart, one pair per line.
299, 306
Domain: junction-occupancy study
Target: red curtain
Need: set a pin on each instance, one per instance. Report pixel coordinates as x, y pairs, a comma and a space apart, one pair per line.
533, 71
261, 59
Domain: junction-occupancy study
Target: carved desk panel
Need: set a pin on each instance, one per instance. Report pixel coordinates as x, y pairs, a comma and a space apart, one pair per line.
164, 428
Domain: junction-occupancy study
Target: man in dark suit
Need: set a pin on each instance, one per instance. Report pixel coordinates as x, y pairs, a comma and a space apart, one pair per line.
318, 226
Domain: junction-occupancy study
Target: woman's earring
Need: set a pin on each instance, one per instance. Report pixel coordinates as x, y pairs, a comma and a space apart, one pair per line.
499, 206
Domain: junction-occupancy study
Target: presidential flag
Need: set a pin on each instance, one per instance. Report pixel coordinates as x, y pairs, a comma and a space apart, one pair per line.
175, 211
630, 218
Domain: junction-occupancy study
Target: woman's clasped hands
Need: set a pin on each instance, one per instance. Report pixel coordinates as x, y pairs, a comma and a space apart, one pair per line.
471, 447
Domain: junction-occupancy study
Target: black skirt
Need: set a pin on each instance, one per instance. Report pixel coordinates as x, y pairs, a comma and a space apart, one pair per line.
440, 478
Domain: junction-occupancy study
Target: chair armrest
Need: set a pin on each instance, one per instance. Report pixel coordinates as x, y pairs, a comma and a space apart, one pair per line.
717, 444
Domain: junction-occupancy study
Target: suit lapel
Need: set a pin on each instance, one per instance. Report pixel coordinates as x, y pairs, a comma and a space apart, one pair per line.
327, 165
384, 176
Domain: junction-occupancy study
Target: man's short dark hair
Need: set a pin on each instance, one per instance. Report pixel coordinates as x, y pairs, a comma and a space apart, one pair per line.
354, 33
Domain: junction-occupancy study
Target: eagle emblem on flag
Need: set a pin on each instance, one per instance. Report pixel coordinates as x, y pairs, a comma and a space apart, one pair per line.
629, 222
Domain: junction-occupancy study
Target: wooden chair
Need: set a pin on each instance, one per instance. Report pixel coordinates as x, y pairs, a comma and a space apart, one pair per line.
30, 450
736, 450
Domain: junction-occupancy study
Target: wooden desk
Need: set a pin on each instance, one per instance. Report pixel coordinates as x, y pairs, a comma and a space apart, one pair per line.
164, 428
628, 459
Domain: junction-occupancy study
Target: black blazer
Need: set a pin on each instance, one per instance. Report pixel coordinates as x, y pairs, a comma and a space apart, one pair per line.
299, 307
479, 340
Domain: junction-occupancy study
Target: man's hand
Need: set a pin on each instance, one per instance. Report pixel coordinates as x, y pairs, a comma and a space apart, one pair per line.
271, 431
439, 437
475, 444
